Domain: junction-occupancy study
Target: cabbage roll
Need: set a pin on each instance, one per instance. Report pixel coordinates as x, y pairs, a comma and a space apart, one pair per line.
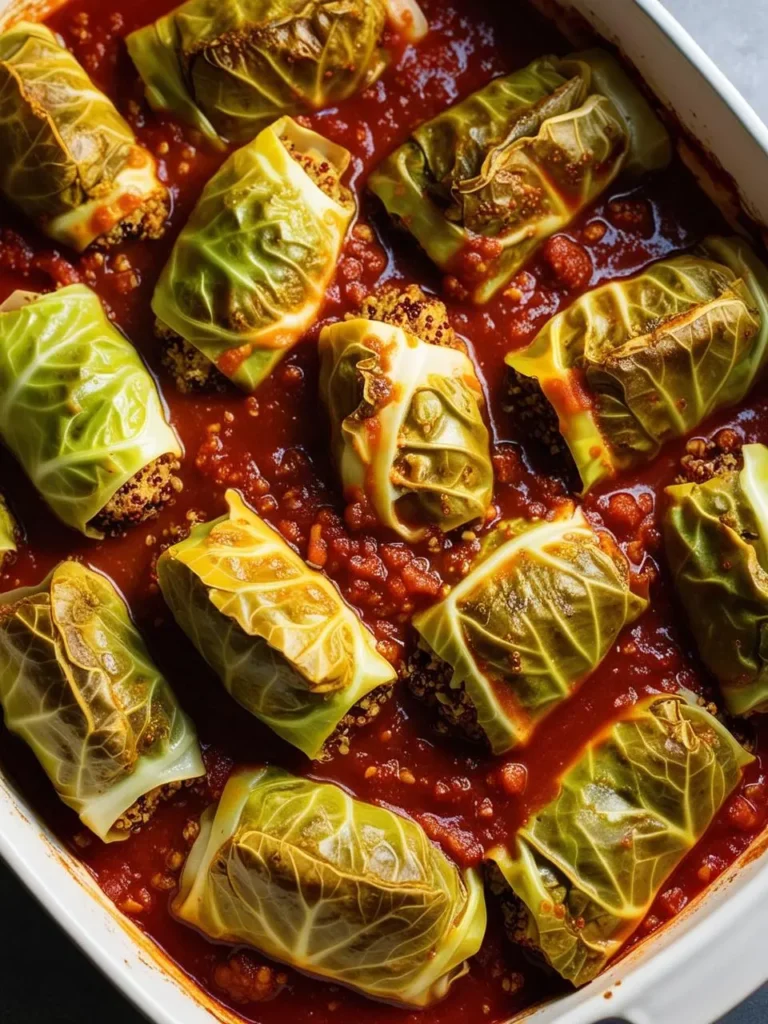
249, 272
279, 635
81, 412
637, 362
536, 615
78, 685
586, 868
716, 536
72, 164
338, 888
230, 67
482, 184
406, 414
8, 531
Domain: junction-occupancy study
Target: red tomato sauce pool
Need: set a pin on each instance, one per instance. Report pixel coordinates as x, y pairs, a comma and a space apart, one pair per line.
274, 449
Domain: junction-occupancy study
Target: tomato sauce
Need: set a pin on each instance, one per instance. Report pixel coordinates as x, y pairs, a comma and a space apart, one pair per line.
273, 446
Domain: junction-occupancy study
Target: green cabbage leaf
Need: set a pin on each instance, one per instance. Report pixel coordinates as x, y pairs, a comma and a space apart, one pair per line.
70, 161
78, 407
535, 616
249, 272
8, 530
637, 362
408, 431
279, 634
515, 162
333, 886
715, 536
230, 67
587, 867
78, 685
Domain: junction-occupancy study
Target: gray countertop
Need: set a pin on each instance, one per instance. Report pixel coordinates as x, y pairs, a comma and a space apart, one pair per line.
63, 988
735, 34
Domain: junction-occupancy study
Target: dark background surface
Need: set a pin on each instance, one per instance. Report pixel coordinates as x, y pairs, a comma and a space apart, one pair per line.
44, 979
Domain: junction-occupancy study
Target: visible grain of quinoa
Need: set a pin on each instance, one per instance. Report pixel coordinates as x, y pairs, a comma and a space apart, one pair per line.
147, 222
704, 459
191, 371
141, 498
361, 715
411, 309
143, 809
429, 680
247, 981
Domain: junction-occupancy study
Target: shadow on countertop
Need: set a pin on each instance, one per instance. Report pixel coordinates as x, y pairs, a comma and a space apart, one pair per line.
67, 989
44, 978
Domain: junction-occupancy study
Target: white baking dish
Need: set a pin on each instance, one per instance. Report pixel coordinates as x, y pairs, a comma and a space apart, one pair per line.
712, 956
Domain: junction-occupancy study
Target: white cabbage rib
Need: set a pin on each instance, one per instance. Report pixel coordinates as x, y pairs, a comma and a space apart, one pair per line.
588, 865
724, 522
634, 363
231, 67
336, 887
180, 762
70, 161
279, 635
249, 272
515, 162
530, 622
78, 407
408, 18
78, 685
421, 454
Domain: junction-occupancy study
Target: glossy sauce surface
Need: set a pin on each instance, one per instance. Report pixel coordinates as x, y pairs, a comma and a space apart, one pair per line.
274, 448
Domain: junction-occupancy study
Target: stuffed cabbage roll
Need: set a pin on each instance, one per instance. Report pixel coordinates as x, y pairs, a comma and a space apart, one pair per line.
333, 886
72, 163
8, 531
406, 414
482, 184
586, 868
78, 685
535, 616
280, 636
249, 272
716, 532
229, 67
637, 362
81, 412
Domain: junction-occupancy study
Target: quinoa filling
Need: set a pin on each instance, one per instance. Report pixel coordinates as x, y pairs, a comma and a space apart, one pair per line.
141, 498
429, 680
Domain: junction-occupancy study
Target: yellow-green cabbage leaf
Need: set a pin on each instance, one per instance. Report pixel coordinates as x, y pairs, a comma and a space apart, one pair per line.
70, 161
229, 67
587, 867
8, 531
279, 634
534, 617
637, 362
341, 889
78, 407
716, 535
249, 272
407, 426
78, 685
515, 162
